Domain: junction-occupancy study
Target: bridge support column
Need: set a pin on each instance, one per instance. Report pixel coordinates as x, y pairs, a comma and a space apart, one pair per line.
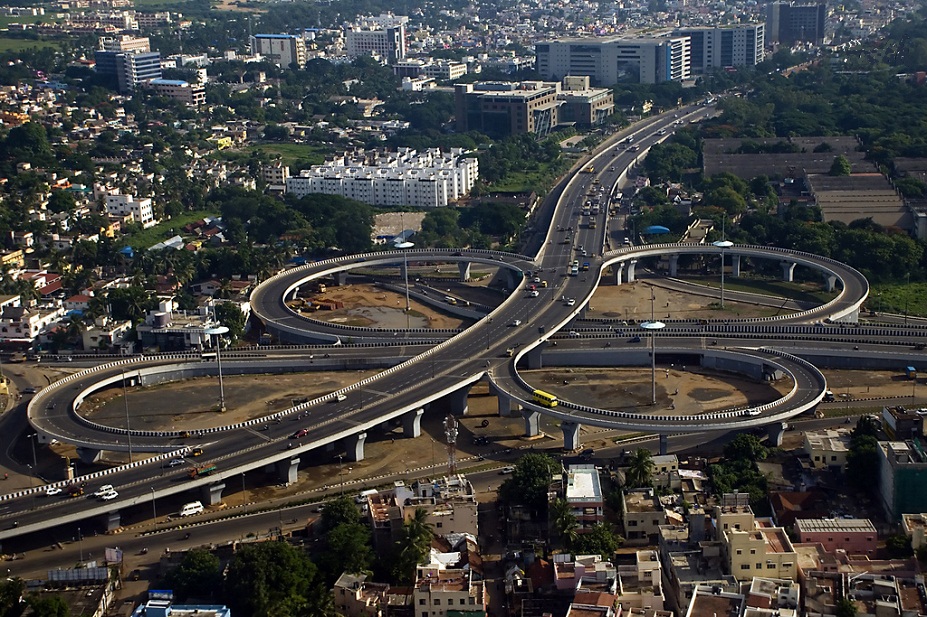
403, 271
535, 357
664, 444
89, 455
457, 401
287, 469
631, 266
617, 269
212, 493
830, 281
354, 447
788, 271
506, 406
570, 435
774, 433
463, 267
673, 264
735, 265
111, 520
412, 423
340, 278
532, 428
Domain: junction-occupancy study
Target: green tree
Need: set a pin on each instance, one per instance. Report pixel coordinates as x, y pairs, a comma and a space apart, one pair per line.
600, 540
841, 166
563, 522
11, 594
863, 462
529, 483
272, 579
898, 546
412, 546
229, 315
340, 511
48, 605
845, 607
640, 469
198, 575
745, 447
347, 549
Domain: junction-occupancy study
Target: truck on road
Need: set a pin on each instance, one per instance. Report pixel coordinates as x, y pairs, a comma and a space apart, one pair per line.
202, 471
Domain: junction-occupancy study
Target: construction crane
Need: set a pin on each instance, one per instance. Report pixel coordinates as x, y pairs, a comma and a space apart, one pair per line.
450, 432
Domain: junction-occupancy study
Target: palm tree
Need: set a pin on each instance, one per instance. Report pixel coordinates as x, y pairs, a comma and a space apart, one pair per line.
563, 522
413, 545
640, 470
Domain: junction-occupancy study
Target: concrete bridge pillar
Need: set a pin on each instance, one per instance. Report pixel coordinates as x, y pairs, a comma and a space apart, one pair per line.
774, 433
735, 265
111, 520
506, 405
830, 281
617, 269
340, 278
89, 455
664, 444
354, 447
570, 435
535, 356
412, 423
212, 493
286, 470
788, 271
457, 401
295, 294
673, 264
463, 267
631, 266
514, 279
532, 428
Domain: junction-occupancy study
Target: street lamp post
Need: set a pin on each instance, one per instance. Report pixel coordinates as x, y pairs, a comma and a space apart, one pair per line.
125, 396
404, 246
723, 244
244, 497
219, 331
341, 473
80, 544
653, 325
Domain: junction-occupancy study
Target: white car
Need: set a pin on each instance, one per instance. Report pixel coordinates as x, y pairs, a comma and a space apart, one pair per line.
340, 397
516, 323
106, 488
109, 495
506, 470
571, 301
574, 334
176, 461
52, 491
534, 293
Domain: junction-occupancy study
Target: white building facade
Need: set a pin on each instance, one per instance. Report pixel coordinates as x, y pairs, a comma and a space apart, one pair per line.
613, 60
281, 49
384, 36
429, 179
140, 209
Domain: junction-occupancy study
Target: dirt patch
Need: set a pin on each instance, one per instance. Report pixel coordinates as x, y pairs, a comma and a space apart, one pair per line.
371, 306
192, 403
632, 301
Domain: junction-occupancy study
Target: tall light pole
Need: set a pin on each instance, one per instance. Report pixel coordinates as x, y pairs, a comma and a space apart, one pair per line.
125, 396
653, 325
218, 331
723, 244
404, 246
244, 497
341, 473
80, 544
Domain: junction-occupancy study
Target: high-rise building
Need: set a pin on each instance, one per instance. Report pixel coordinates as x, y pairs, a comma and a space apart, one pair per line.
613, 60
384, 36
499, 109
789, 22
283, 50
128, 60
713, 48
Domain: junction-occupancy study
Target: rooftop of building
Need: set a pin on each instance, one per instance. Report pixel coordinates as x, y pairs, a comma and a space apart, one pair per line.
720, 604
587, 610
914, 521
641, 501
836, 525
834, 440
582, 484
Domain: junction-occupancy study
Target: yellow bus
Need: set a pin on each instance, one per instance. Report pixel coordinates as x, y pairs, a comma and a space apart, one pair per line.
545, 398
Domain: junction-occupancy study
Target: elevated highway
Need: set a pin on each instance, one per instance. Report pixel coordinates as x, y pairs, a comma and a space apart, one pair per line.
441, 374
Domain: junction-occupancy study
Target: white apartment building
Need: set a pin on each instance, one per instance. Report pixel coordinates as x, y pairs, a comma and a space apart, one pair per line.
438, 592
19, 323
429, 179
383, 36
281, 49
125, 205
444, 70
720, 47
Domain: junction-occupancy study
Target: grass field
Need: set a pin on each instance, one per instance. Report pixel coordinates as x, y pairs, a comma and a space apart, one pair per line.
899, 299
165, 229
292, 153
768, 287
11, 44
539, 180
